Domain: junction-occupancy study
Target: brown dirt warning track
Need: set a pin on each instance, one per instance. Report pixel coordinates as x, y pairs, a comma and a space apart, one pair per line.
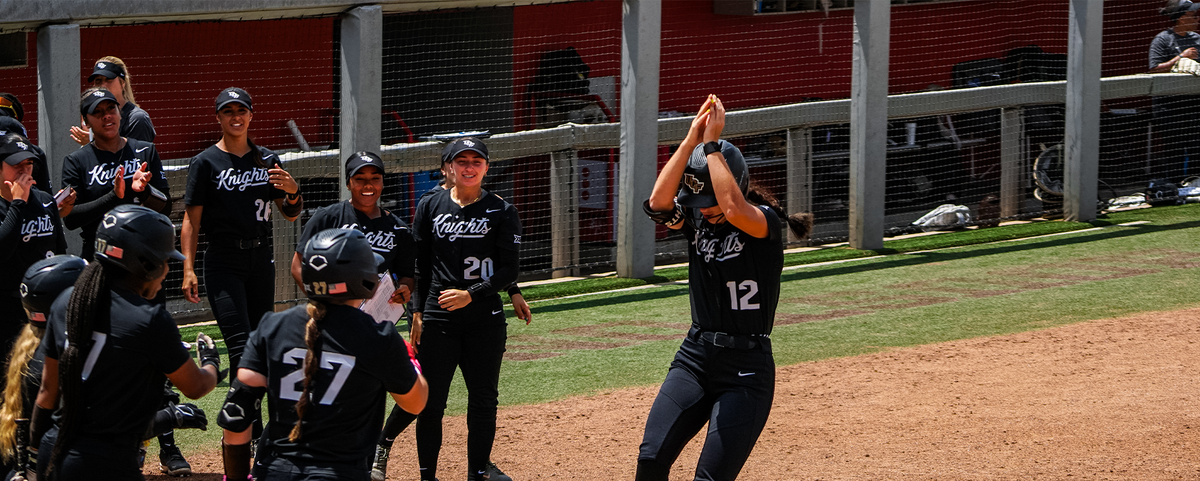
1105, 399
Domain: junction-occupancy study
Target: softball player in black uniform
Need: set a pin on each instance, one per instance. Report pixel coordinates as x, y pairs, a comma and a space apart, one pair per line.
43, 282
468, 249
30, 229
389, 236
111, 73
110, 347
230, 189
111, 170
724, 372
11, 116
325, 367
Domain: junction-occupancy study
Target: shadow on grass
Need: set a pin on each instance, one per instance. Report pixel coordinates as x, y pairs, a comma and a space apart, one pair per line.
918, 258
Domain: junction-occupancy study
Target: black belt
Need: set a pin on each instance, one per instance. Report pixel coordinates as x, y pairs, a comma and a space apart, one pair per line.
239, 243
743, 342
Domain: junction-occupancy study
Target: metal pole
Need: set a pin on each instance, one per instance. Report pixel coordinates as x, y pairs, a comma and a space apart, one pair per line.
58, 102
564, 219
1082, 145
641, 32
362, 84
1011, 130
868, 123
799, 173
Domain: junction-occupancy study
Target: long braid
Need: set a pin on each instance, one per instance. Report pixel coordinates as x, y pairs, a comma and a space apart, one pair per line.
312, 360
89, 305
14, 403
801, 223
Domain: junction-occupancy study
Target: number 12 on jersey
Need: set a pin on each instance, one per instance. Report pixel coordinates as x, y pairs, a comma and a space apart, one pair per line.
743, 303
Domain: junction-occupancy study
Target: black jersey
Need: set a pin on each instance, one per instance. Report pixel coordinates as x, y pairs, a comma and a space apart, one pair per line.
135, 123
126, 365
29, 232
733, 277
90, 171
476, 248
361, 361
236, 193
389, 236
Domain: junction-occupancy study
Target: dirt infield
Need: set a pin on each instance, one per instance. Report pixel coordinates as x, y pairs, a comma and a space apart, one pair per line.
1108, 399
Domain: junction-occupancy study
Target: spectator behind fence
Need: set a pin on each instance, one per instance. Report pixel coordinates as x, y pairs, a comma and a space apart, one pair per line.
1174, 115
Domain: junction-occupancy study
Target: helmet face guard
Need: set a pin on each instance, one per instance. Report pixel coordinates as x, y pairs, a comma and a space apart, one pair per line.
696, 187
338, 264
44, 281
137, 240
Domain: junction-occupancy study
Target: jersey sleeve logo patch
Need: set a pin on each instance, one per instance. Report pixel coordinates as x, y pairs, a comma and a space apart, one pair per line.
696, 185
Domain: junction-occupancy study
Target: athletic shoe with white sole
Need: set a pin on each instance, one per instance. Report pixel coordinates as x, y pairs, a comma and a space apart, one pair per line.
379, 468
171, 462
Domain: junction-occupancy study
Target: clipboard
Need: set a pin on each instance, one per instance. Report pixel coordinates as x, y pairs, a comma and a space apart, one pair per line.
378, 306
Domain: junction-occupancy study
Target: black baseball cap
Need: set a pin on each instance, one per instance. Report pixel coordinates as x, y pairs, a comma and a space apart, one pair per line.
89, 102
16, 152
464, 144
9, 124
108, 70
358, 160
233, 95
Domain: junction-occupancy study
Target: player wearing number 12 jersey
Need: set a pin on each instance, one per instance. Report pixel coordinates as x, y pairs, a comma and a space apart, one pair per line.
468, 246
724, 372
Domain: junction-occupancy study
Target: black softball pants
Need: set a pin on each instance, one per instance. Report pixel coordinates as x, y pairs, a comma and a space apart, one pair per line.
730, 389
91, 457
473, 341
240, 285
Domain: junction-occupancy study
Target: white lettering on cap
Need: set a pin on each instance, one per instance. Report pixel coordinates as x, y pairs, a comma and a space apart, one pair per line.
234, 94
101, 65
468, 143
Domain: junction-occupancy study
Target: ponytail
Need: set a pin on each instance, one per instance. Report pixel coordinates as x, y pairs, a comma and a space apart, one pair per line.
89, 306
14, 402
312, 339
256, 155
801, 223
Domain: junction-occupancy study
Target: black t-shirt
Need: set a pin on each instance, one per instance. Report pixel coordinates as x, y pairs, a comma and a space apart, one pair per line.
361, 361
135, 123
389, 236
476, 248
123, 382
29, 232
90, 171
235, 192
733, 277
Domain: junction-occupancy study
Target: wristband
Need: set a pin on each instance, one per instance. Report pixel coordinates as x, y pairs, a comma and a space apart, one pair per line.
711, 148
293, 196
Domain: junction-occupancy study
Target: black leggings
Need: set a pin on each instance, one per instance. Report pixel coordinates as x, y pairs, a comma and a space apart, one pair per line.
240, 284
477, 347
729, 389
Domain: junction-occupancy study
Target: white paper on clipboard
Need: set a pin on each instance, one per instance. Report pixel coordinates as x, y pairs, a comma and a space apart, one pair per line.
378, 306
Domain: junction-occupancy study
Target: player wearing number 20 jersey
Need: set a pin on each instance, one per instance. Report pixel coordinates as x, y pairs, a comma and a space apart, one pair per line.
468, 247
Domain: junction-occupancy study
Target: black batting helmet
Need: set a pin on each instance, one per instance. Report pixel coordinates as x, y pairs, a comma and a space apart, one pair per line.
137, 240
696, 189
338, 264
45, 280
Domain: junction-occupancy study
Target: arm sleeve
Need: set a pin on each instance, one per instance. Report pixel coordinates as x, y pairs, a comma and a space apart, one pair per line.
513, 290
140, 127
167, 347
506, 260
1161, 50
198, 174
422, 236
10, 229
89, 212
403, 264
401, 380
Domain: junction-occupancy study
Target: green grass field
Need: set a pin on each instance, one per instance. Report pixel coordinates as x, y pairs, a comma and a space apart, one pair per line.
914, 291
